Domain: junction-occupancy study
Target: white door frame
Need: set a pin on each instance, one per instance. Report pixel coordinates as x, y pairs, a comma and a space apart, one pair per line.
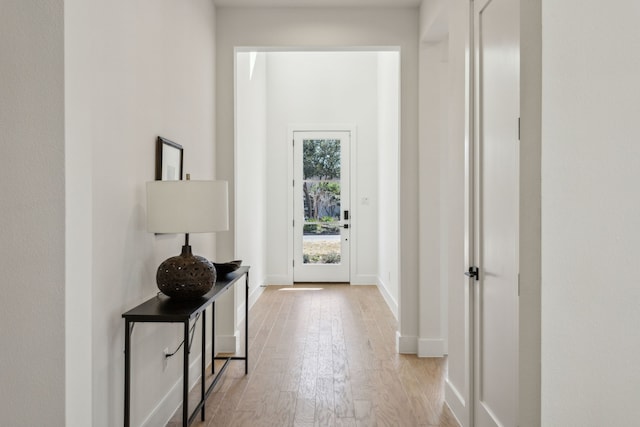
353, 212
465, 404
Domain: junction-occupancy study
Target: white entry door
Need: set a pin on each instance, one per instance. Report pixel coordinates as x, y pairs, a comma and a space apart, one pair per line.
497, 70
321, 206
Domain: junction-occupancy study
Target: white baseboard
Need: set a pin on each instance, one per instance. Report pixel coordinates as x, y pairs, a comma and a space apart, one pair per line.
428, 347
278, 280
169, 404
228, 343
391, 302
456, 402
406, 345
254, 293
364, 279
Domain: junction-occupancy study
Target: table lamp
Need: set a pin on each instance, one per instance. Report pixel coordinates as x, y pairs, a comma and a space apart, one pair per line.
186, 207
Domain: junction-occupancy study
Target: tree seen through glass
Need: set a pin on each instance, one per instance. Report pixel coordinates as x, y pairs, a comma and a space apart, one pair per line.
321, 193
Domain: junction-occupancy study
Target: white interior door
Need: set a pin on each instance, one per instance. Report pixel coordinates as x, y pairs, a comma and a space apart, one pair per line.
496, 212
321, 206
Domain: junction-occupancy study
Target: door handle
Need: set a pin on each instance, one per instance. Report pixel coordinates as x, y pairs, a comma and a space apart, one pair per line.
474, 272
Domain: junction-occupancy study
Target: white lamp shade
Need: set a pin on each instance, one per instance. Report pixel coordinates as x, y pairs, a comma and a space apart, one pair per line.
187, 206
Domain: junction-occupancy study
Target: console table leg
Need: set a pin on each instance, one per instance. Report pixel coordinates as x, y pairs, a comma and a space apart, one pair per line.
202, 362
246, 325
185, 377
127, 373
213, 337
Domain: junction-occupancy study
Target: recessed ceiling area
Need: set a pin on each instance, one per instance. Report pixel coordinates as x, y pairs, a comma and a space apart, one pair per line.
318, 3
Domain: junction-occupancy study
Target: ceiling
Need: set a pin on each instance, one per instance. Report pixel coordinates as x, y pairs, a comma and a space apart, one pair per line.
317, 3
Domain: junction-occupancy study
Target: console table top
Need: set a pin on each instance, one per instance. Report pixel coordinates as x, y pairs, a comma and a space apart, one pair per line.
161, 308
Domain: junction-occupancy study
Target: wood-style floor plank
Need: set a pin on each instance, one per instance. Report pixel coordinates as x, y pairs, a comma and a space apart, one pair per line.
327, 358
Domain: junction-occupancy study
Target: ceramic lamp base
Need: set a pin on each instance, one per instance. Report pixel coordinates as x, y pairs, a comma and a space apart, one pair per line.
186, 276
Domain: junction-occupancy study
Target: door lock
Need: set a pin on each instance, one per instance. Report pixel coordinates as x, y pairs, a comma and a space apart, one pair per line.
474, 273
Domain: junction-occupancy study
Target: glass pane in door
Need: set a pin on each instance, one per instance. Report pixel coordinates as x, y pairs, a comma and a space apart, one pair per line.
321, 240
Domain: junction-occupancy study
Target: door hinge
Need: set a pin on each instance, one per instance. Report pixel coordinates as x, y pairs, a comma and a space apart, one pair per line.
293, 263
518, 128
518, 284
293, 222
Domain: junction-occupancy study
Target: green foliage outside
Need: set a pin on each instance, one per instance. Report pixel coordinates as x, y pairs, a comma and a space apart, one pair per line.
329, 258
321, 229
321, 159
321, 186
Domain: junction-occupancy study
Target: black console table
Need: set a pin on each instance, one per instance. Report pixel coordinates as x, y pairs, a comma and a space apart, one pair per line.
162, 309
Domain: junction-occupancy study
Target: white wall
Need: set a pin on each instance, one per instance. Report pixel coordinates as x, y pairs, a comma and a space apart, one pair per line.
440, 174
323, 88
433, 140
79, 215
135, 70
388, 171
434, 27
530, 209
590, 214
327, 28
32, 190
251, 150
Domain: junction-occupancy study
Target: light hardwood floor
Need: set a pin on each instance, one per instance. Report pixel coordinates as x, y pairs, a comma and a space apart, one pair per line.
324, 355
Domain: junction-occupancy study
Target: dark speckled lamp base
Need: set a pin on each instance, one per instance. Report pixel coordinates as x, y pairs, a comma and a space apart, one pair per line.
186, 276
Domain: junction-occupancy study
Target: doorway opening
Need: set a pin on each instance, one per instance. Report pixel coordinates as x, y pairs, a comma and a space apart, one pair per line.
280, 95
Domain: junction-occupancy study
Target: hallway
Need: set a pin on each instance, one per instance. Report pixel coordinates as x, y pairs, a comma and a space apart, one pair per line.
324, 355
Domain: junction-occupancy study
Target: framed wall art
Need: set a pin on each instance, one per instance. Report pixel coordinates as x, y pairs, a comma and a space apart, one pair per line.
169, 160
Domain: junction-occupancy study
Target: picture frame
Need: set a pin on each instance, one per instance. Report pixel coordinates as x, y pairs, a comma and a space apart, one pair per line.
169, 160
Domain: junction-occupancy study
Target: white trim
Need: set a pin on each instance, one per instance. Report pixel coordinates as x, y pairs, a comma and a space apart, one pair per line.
353, 205
356, 48
388, 298
456, 403
279, 280
254, 294
290, 235
228, 343
365, 279
430, 347
461, 402
405, 344
172, 401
